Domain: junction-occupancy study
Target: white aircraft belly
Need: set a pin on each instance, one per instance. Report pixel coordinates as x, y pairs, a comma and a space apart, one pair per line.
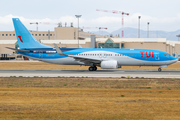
63, 61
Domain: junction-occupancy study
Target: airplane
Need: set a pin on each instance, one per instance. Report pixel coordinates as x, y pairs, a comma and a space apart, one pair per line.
106, 58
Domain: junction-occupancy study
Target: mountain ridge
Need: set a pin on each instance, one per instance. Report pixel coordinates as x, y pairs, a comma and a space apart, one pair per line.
133, 33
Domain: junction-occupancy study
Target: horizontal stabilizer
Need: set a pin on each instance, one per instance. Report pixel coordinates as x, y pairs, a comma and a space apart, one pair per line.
18, 49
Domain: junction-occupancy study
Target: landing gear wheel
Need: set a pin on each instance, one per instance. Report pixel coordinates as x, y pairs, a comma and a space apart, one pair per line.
91, 69
159, 70
95, 68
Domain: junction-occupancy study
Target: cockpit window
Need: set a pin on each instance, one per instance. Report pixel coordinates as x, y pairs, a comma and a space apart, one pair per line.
167, 55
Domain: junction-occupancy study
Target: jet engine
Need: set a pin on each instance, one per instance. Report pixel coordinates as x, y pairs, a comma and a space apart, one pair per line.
111, 64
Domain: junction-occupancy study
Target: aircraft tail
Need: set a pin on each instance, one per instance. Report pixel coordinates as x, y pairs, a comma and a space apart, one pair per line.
24, 37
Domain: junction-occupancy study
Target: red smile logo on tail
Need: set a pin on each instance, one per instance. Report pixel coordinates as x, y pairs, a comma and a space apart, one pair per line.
20, 39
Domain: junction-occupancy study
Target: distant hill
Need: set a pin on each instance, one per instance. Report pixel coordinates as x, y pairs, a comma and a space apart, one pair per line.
133, 33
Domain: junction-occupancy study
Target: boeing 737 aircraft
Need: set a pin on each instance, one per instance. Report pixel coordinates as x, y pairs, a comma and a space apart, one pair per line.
93, 57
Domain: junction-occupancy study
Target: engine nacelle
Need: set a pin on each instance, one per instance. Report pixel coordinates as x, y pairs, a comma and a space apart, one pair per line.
111, 64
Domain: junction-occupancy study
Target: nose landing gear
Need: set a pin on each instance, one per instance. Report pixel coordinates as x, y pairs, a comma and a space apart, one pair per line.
94, 68
159, 70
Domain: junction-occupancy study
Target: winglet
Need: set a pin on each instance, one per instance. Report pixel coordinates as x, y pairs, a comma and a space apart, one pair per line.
58, 50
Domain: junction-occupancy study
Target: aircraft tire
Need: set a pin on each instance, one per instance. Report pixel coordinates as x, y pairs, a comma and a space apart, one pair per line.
91, 69
95, 68
159, 70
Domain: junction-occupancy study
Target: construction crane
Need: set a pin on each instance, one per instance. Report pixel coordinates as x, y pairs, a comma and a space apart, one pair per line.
102, 28
95, 28
36, 24
47, 23
116, 12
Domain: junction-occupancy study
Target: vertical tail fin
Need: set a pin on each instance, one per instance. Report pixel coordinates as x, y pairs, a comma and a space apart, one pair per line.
24, 37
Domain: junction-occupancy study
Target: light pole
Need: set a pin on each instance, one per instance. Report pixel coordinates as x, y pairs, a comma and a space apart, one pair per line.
78, 16
148, 29
139, 27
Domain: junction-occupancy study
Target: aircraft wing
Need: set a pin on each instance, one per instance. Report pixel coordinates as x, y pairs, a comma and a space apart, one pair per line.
86, 60
18, 49
78, 58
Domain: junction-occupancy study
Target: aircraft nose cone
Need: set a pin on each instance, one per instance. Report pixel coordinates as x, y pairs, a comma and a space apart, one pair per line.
174, 61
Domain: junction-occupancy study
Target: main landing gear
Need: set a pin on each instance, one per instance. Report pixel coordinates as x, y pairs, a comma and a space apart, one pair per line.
159, 70
94, 68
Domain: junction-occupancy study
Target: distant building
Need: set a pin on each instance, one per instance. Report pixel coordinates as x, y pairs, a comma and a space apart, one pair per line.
59, 33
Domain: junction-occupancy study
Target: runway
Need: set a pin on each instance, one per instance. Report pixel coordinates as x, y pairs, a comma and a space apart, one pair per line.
86, 73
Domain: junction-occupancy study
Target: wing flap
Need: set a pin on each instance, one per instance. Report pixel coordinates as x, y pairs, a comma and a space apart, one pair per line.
85, 60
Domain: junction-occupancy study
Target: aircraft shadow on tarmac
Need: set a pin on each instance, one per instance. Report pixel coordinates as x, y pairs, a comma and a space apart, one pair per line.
164, 71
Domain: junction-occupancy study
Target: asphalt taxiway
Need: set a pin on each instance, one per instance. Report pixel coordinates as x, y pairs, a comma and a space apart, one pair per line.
86, 73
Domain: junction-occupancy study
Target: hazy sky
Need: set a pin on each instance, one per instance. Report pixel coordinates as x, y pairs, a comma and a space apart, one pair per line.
162, 14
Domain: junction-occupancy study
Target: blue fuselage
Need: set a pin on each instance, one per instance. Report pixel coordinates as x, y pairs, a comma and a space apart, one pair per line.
136, 57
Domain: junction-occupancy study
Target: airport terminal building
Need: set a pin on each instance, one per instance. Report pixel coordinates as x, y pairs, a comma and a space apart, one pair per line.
67, 37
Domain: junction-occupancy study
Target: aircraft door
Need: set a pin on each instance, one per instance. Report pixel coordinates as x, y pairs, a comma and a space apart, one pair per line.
40, 54
156, 56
